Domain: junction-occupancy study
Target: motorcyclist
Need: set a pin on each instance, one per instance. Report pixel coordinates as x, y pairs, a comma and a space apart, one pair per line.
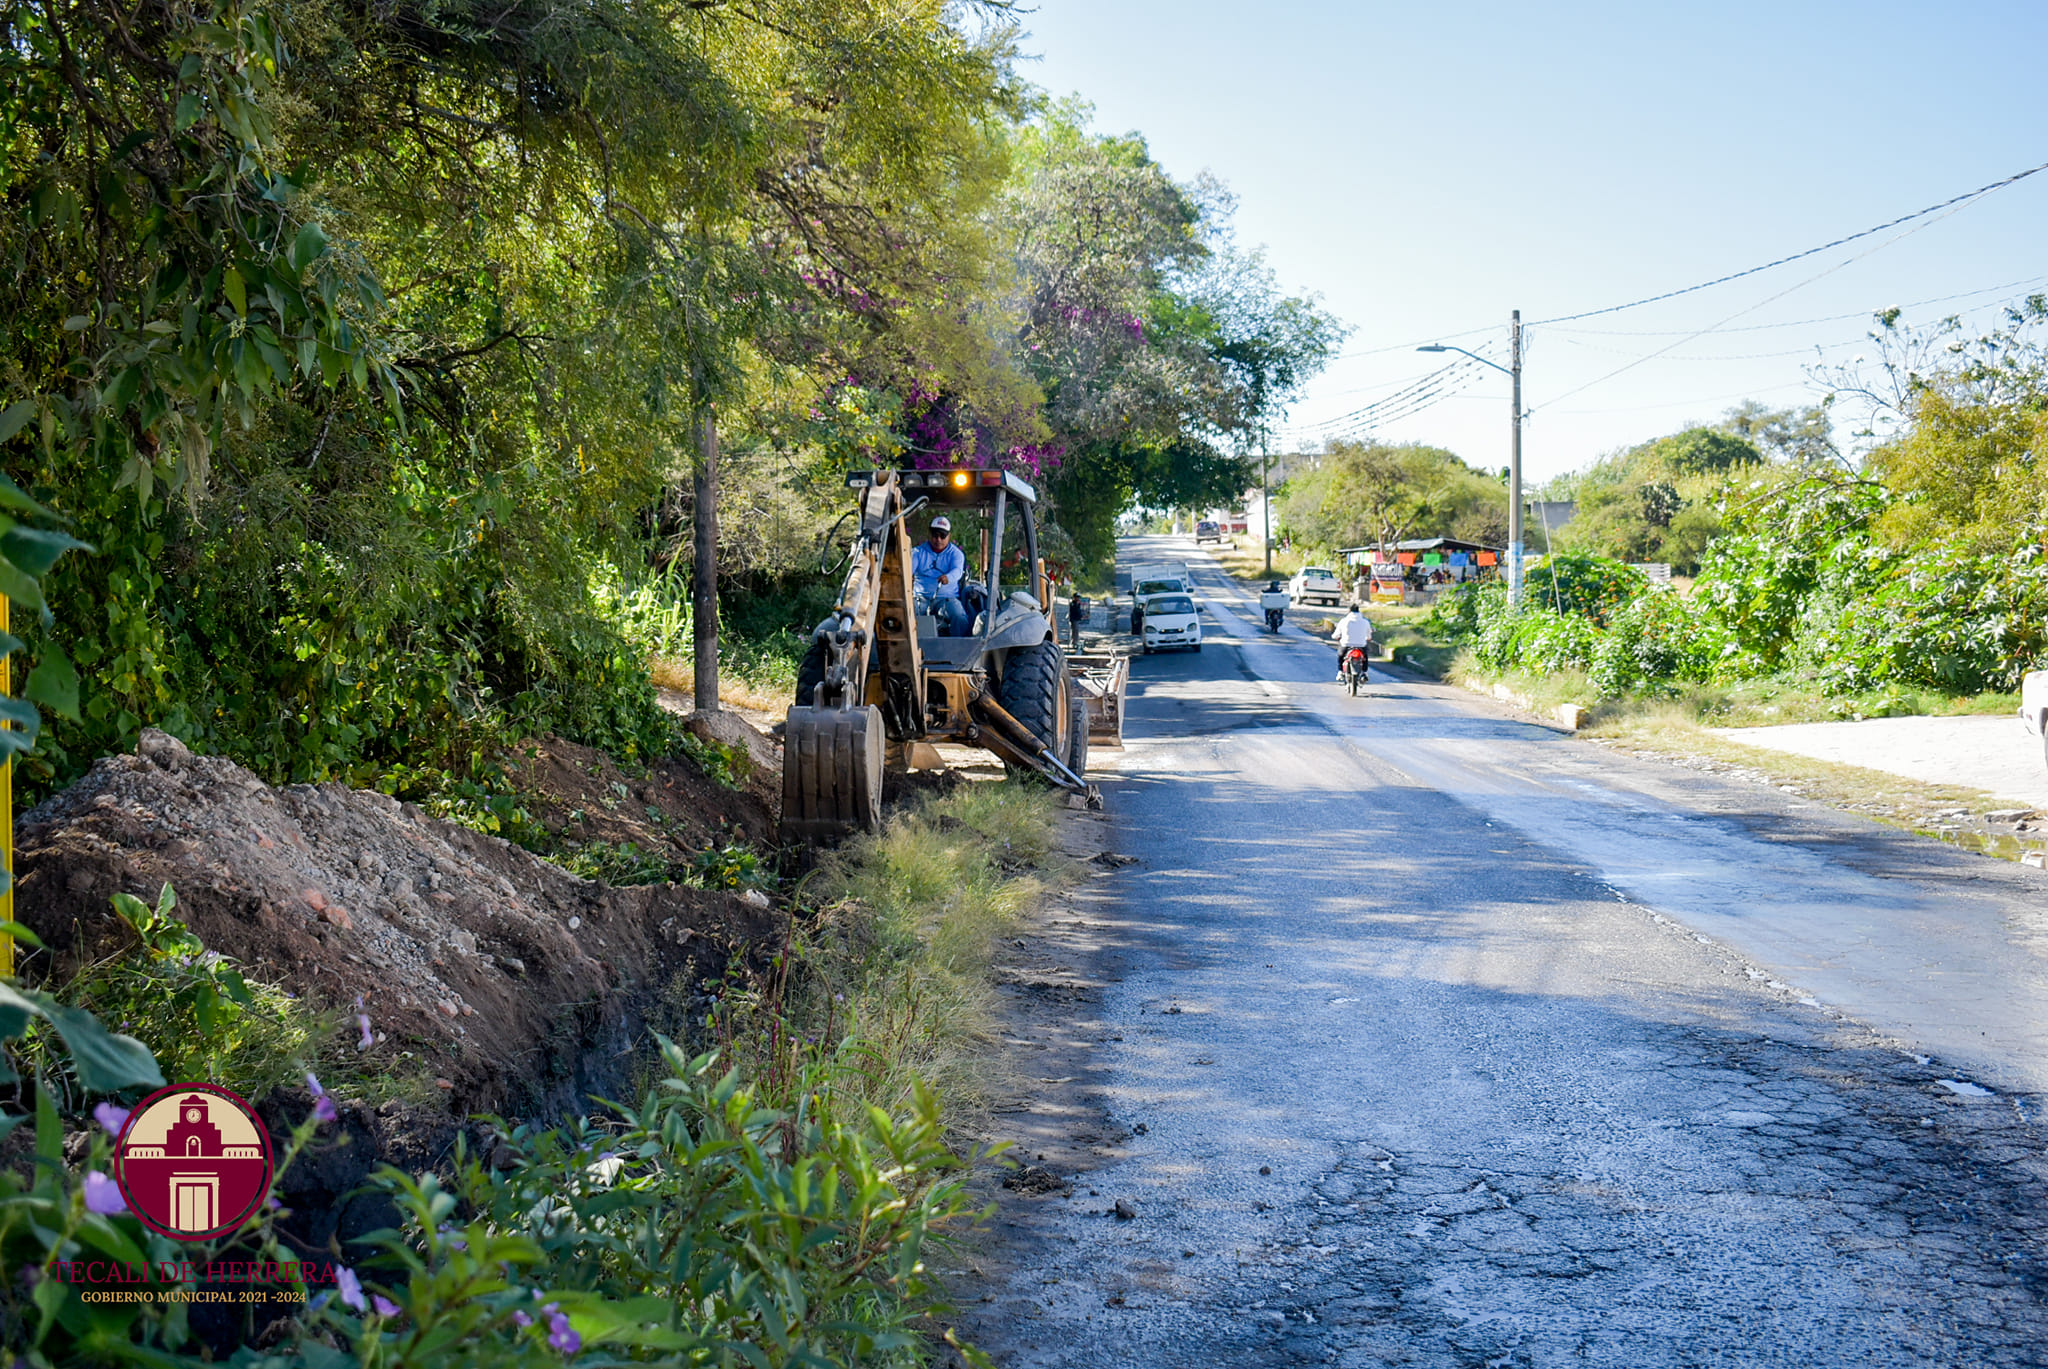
1275, 602
1352, 630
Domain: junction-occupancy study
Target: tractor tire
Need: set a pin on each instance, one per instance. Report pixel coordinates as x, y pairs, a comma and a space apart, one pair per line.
1032, 688
810, 673
1077, 733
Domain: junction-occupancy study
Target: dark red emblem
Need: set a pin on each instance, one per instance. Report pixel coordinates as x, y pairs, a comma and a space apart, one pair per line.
193, 1161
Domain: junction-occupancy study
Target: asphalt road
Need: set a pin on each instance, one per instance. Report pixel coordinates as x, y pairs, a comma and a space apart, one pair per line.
1423, 1035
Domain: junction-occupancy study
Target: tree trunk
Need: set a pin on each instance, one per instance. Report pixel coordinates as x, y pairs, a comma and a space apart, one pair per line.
704, 579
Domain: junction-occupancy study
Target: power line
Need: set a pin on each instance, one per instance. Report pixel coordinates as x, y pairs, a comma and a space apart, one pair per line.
1433, 389
1738, 356
1957, 202
1424, 386
1804, 322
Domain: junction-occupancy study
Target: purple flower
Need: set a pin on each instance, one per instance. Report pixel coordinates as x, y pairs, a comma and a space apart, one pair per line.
349, 1286
103, 1195
385, 1307
323, 1108
562, 1336
521, 1317
112, 1118
363, 1025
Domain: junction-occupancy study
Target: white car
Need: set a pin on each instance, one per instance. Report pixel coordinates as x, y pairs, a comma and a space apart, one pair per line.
2034, 706
1171, 621
1314, 585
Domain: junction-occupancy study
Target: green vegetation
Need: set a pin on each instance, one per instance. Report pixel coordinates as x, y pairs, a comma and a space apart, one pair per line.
706, 1226
771, 1202
1371, 494
893, 965
1919, 580
395, 361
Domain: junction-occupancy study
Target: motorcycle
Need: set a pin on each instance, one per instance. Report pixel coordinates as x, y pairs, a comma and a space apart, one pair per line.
1274, 601
1355, 668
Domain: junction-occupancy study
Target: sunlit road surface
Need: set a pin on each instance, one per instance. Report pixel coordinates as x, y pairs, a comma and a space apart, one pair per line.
1555, 1057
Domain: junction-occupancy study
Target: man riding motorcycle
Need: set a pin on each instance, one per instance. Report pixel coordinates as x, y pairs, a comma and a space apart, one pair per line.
1354, 630
1274, 601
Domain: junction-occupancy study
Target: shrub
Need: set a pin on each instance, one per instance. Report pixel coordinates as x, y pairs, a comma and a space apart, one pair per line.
1656, 637
1592, 587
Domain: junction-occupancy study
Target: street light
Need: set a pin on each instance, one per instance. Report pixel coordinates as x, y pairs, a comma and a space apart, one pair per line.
1513, 371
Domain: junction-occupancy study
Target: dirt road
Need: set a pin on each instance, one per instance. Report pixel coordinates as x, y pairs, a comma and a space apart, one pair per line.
1420, 1035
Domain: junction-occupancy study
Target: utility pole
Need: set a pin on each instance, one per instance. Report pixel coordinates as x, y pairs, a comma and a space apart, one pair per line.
1515, 464
1514, 373
1266, 501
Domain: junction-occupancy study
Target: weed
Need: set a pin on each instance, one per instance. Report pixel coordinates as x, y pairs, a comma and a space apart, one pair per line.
616, 863
731, 866
728, 766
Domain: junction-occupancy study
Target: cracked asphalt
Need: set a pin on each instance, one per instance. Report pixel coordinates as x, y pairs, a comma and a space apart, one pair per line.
1402, 1049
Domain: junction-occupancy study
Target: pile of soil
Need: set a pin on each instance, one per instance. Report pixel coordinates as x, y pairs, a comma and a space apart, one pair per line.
669, 809
522, 989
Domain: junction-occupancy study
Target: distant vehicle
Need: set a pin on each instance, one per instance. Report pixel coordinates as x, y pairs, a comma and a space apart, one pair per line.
1355, 672
1171, 621
1275, 602
1208, 530
1148, 582
1315, 585
2034, 706
1166, 577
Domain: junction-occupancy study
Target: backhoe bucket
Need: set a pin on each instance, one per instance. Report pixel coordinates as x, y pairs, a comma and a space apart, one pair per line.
831, 772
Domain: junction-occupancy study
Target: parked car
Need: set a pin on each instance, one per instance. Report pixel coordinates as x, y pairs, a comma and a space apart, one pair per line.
2034, 706
1315, 585
1208, 530
1171, 621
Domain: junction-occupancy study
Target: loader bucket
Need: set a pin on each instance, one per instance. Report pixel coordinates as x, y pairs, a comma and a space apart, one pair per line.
831, 772
1101, 680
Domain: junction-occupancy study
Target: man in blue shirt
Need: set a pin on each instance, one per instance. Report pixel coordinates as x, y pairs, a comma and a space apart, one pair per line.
938, 568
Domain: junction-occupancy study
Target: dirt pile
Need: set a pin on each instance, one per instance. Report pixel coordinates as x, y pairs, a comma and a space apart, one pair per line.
522, 987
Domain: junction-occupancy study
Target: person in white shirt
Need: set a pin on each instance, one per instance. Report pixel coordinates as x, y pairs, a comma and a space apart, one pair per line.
1352, 630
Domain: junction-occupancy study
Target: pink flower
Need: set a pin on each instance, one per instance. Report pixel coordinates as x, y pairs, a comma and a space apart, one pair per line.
103, 1195
112, 1118
349, 1286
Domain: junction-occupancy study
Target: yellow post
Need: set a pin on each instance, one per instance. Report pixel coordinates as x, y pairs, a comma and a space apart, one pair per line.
6, 818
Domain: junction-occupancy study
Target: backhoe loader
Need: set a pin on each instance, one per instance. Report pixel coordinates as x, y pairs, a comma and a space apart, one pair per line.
880, 683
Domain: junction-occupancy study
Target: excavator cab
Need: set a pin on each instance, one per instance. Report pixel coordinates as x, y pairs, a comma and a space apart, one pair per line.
879, 681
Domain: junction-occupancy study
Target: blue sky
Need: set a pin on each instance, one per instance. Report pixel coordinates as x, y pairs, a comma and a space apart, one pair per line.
1426, 169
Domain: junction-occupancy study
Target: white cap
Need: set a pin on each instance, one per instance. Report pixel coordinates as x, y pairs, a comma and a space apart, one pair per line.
942, 524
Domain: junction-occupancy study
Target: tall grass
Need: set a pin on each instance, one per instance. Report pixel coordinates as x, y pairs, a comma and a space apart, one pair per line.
889, 976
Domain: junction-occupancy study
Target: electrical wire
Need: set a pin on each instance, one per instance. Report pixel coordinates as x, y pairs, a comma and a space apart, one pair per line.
1805, 322
1952, 204
1800, 285
1432, 389
1425, 386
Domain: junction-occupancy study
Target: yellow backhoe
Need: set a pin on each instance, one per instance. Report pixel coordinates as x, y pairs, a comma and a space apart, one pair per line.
880, 683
